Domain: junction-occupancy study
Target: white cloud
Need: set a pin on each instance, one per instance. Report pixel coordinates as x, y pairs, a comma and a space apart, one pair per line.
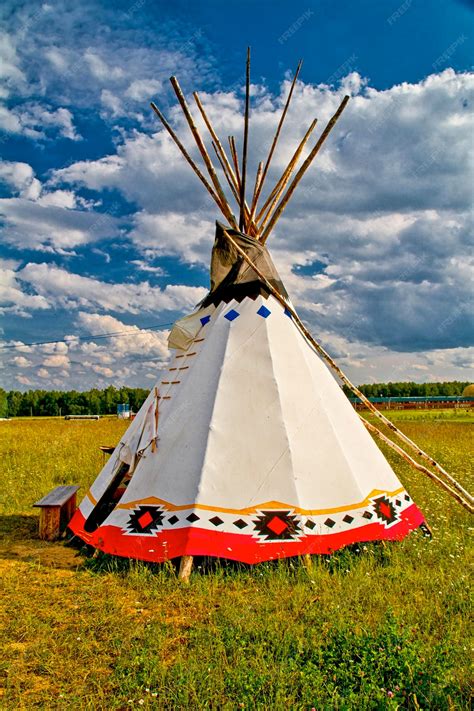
44, 225
62, 288
384, 210
100, 69
59, 198
145, 267
21, 362
56, 361
23, 380
38, 121
143, 89
12, 296
374, 247
20, 178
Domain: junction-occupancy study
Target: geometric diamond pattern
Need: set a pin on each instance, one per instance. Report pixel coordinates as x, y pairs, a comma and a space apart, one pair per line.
385, 510
348, 519
204, 320
329, 523
277, 525
263, 311
231, 315
145, 519
192, 517
216, 521
240, 524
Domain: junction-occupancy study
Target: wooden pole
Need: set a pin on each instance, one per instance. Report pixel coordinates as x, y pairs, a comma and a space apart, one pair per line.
319, 349
258, 182
155, 439
242, 225
185, 568
416, 465
274, 142
230, 177
284, 201
253, 228
219, 148
272, 199
223, 160
188, 157
235, 159
203, 151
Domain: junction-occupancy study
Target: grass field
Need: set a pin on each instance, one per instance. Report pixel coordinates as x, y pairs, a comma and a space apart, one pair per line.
376, 627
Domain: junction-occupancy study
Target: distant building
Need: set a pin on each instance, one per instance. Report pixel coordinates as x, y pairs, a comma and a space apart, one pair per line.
123, 411
414, 403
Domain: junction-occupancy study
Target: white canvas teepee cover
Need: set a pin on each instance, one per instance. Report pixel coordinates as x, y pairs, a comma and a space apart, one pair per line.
246, 449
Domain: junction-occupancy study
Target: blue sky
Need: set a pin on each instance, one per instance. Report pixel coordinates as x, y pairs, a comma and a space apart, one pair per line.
105, 229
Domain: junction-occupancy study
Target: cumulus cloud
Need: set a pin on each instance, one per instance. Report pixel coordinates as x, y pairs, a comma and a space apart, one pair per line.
12, 296
127, 358
374, 246
56, 361
384, 210
20, 178
68, 290
53, 52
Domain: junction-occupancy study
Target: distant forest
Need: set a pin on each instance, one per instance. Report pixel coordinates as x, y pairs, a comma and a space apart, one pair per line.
104, 402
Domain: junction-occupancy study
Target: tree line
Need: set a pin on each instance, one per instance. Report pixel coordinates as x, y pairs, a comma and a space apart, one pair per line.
71, 402
104, 402
410, 389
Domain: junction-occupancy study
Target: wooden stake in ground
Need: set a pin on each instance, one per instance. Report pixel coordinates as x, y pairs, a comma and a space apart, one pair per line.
242, 225
319, 349
203, 150
284, 201
185, 567
274, 142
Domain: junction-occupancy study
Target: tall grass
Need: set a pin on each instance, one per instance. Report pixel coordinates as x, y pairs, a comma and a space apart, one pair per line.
373, 627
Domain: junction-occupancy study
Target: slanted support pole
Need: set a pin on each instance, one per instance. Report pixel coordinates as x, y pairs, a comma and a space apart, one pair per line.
468, 500
284, 201
185, 568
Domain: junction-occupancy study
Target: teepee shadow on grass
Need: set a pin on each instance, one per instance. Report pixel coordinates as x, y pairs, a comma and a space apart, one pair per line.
19, 541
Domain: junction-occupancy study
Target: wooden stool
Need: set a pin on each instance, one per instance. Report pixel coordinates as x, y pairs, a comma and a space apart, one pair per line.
57, 509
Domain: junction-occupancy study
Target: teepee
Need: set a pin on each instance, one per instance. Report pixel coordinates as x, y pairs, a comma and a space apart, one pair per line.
247, 447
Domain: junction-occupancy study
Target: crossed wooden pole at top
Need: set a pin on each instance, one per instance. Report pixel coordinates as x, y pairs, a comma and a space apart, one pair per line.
252, 220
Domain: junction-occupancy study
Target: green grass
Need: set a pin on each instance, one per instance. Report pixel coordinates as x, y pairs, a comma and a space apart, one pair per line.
374, 627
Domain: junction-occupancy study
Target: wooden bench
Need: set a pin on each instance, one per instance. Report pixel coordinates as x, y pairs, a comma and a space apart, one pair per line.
57, 509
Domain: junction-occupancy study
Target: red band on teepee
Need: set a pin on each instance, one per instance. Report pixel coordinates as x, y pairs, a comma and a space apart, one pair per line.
200, 542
